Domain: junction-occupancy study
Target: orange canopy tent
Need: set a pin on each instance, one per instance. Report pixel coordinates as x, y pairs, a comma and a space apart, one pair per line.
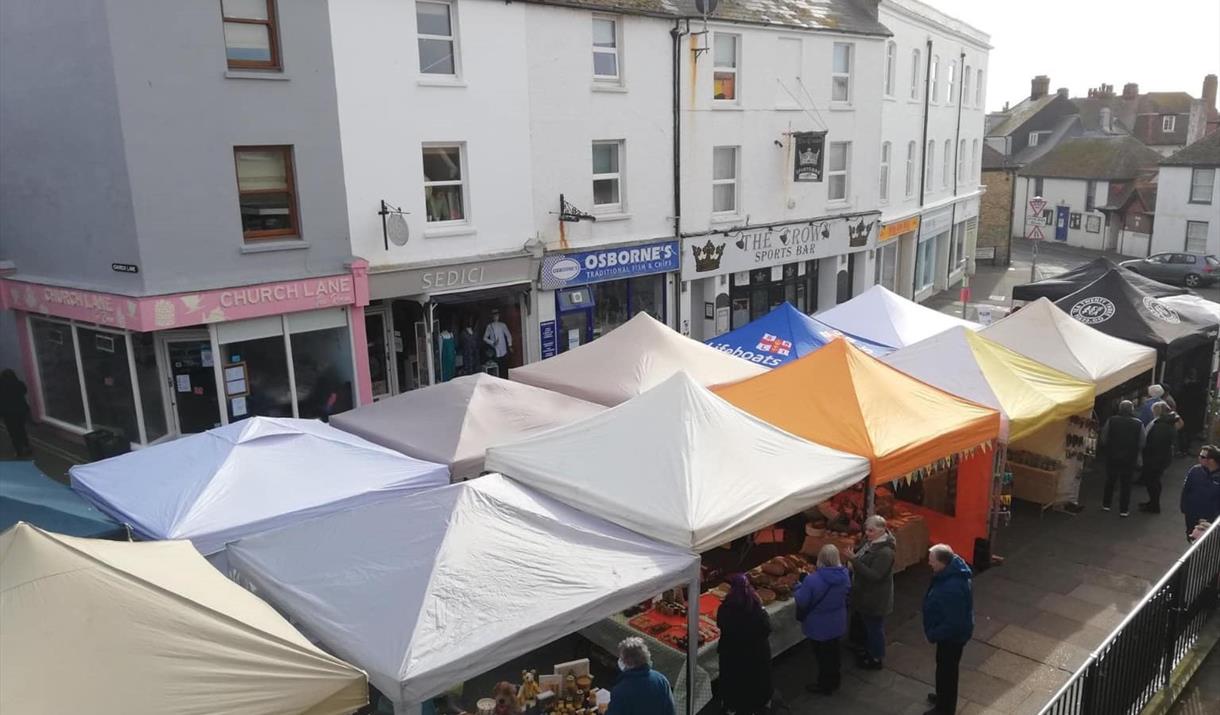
842, 398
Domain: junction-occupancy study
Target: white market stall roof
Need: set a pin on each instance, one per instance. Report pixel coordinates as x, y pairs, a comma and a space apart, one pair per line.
887, 318
680, 465
634, 357
451, 582
250, 476
109, 627
454, 422
1043, 332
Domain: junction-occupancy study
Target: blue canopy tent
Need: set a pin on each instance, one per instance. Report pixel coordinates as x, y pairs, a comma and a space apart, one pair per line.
783, 335
28, 495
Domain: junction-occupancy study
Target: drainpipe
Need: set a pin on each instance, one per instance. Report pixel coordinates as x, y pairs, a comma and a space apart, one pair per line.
923, 154
676, 34
957, 175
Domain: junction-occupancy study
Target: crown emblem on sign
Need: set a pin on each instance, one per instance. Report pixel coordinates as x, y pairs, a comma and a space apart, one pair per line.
858, 234
707, 256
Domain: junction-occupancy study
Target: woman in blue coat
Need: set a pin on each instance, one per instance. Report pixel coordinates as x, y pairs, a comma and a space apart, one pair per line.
821, 606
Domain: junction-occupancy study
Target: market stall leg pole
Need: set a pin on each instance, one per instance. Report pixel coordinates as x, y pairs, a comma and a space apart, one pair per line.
870, 497
692, 641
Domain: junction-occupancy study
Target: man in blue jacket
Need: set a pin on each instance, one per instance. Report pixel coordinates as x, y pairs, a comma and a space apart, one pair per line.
1201, 492
640, 689
948, 621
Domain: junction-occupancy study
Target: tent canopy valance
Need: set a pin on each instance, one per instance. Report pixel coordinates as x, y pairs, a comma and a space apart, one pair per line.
149, 627
453, 581
634, 357
1043, 332
454, 422
28, 495
253, 475
1028, 394
888, 319
680, 465
783, 335
1069, 282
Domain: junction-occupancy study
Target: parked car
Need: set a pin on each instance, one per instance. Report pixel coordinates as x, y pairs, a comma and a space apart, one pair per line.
1188, 269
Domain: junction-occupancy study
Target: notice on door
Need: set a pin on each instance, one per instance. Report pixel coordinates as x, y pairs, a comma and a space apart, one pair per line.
239, 406
184, 383
549, 340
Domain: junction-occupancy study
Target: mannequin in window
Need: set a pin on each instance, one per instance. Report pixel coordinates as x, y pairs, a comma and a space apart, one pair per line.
468, 346
447, 344
497, 337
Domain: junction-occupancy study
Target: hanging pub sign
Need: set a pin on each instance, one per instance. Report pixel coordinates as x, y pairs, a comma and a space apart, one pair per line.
810, 150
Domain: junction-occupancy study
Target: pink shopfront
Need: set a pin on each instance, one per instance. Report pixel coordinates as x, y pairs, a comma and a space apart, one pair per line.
154, 367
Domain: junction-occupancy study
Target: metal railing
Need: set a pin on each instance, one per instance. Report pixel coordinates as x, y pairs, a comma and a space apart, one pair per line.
1136, 660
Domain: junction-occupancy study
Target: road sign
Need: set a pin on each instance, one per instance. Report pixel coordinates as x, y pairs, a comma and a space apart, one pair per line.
1036, 205
1035, 233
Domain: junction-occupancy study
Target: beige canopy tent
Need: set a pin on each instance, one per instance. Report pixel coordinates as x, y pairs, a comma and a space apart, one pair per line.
100, 627
631, 359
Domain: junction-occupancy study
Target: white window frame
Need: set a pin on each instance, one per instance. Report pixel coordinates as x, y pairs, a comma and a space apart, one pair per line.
910, 176
464, 182
619, 206
735, 70
1033, 138
916, 63
929, 169
934, 81
733, 181
978, 89
616, 51
1194, 185
451, 38
1206, 227
1169, 123
834, 75
949, 86
966, 86
974, 157
845, 172
961, 162
884, 185
891, 66
946, 171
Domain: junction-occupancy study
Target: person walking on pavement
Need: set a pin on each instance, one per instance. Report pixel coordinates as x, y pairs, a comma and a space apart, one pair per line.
1201, 490
821, 607
948, 622
872, 567
15, 411
1160, 441
640, 690
1122, 437
744, 650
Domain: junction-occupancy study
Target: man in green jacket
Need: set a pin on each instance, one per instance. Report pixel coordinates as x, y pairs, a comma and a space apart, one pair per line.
872, 568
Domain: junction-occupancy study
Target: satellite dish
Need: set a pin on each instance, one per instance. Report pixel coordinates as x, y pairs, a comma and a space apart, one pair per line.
397, 229
706, 7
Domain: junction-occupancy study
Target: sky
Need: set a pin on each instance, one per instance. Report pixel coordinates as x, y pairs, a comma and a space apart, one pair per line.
1164, 45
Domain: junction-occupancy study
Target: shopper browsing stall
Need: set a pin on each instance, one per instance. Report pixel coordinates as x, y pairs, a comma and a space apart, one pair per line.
948, 622
745, 649
640, 689
872, 566
1160, 441
1122, 437
821, 607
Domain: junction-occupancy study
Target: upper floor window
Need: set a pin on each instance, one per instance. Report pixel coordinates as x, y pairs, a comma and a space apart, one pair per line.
607, 176
1196, 237
891, 58
605, 49
1168, 123
915, 67
251, 34
929, 169
838, 167
726, 55
1034, 138
974, 157
1202, 185
884, 188
966, 86
910, 175
444, 183
946, 171
950, 81
961, 161
934, 80
724, 179
266, 192
1038, 187
840, 78
437, 38
978, 90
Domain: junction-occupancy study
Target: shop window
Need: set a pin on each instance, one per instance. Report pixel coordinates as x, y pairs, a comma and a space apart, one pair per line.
266, 192
322, 366
925, 264
726, 56
103, 359
251, 34
648, 296
55, 354
607, 175
437, 38
755, 293
840, 77
605, 49
144, 350
935, 492
256, 378
444, 184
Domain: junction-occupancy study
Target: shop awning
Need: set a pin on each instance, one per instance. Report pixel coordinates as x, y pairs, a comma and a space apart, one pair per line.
453, 423
108, 627
432, 589
889, 319
250, 476
1042, 331
634, 357
847, 400
1069, 282
783, 335
1028, 394
680, 465
28, 495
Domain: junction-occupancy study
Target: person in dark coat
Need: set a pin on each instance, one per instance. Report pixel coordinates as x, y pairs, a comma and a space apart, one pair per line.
872, 567
1201, 490
15, 411
469, 346
1160, 441
821, 602
1121, 438
744, 650
948, 621
640, 690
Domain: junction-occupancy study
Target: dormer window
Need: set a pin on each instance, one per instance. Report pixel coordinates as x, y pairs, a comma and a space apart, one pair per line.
1168, 123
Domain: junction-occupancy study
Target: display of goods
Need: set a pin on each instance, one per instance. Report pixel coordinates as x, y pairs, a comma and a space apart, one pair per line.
671, 608
767, 596
1035, 460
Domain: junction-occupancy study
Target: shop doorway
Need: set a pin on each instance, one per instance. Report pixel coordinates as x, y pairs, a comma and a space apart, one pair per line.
380, 345
191, 384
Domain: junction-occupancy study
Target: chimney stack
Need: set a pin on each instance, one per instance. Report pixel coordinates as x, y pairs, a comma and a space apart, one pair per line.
1039, 87
1105, 120
1131, 90
1062, 92
1209, 91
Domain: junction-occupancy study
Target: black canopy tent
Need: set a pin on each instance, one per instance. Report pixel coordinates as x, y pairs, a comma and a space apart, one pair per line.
1071, 281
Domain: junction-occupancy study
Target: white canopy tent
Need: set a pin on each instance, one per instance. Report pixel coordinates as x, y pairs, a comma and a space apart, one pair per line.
429, 590
454, 422
680, 465
250, 476
887, 318
634, 357
110, 628
1043, 332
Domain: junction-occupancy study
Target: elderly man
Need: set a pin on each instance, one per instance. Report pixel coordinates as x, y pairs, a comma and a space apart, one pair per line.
1121, 437
1160, 440
1201, 490
872, 567
948, 621
640, 689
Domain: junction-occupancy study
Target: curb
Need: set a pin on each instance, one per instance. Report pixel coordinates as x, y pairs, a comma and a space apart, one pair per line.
1180, 678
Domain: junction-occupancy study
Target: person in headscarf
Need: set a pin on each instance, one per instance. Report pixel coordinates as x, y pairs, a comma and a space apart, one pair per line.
744, 650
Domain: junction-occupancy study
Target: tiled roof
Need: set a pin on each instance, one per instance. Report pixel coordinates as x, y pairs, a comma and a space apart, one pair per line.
1205, 152
835, 15
1111, 157
1019, 115
993, 159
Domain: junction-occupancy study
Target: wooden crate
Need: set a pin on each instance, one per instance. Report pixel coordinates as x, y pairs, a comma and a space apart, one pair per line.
1034, 485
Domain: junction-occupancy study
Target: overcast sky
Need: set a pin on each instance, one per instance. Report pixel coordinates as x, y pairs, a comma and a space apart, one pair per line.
1164, 45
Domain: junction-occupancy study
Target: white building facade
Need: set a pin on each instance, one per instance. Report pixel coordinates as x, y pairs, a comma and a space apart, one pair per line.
1187, 210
